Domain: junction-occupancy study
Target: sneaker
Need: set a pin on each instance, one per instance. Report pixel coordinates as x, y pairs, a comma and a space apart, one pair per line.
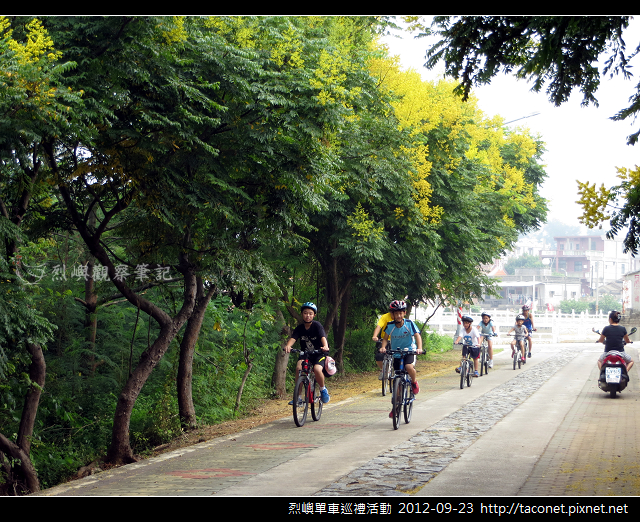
529, 355
391, 414
458, 369
476, 374
324, 395
415, 388
490, 363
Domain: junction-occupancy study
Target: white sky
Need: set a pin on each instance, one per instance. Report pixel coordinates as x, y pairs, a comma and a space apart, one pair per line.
582, 142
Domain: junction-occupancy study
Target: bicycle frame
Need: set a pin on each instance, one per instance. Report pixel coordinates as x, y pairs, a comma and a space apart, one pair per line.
520, 352
305, 387
467, 371
403, 396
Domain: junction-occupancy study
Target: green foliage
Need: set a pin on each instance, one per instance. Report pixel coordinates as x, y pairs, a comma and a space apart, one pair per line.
259, 153
220, 362
606, 303
359, 350
523, 261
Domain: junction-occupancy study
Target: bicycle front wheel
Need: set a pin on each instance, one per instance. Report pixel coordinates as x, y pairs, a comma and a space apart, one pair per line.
409, 397
396, 400
463, 370
470, 373
300, 401
485, 361
516, 356
316, 402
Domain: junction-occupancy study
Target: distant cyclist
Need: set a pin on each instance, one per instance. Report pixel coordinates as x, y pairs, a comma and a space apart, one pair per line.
528, 323
311, 336
521, 332
487, 327
471, 341
405, 340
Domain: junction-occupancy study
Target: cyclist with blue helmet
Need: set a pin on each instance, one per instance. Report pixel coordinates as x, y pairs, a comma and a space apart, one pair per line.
311, 335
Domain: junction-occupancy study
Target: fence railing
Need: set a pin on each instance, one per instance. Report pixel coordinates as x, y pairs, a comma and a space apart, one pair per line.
552, 327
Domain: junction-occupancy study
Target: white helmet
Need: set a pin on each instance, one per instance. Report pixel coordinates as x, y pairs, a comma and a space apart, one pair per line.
330, 365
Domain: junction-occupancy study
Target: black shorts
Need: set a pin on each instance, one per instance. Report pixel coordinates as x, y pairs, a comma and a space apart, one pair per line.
473, 350
377, 354
409, 358
314, 358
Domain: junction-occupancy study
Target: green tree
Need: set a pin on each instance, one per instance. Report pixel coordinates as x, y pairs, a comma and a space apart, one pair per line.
34, 103
523, 261
561, 54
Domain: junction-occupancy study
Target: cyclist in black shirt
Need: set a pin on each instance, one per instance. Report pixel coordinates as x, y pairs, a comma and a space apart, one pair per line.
311, 336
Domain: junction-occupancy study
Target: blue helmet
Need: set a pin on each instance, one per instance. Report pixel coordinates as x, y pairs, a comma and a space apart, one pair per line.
309, 305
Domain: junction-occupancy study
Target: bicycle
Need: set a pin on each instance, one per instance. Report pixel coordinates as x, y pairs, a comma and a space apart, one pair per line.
484, 353
518, 357
306, 391
467, 372
387, 370
402, 397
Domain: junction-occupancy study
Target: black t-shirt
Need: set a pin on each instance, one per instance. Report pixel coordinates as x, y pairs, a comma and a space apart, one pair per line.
614, 337
310, 339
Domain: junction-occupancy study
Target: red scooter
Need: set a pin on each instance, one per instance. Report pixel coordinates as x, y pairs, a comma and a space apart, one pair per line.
613, 372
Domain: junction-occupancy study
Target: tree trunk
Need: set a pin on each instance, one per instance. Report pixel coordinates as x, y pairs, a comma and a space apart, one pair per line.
120, 451
282, 360
186, 410
341, 329
23, 479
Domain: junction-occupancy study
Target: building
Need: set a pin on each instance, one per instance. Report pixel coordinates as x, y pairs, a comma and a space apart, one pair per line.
592, 259
538, 287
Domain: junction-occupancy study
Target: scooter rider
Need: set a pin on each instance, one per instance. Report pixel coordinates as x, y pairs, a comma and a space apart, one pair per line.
614, 338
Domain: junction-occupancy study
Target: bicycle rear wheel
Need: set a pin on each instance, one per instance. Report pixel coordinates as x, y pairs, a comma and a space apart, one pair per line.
396, 400
316, 402
300, 401
386, 364
409, 397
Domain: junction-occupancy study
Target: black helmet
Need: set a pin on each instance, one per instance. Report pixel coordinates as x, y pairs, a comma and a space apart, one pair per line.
485, 313
467, 319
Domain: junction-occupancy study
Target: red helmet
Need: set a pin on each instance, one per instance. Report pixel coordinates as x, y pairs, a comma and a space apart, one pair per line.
397, 306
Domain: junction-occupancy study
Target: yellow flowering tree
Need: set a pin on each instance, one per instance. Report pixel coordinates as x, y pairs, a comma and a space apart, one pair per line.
620, 205
468, 173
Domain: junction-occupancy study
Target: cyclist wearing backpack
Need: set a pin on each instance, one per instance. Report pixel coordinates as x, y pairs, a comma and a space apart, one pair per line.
528, 323
311, 335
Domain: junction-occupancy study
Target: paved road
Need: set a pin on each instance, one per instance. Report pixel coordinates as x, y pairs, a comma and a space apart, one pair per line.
543, 430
